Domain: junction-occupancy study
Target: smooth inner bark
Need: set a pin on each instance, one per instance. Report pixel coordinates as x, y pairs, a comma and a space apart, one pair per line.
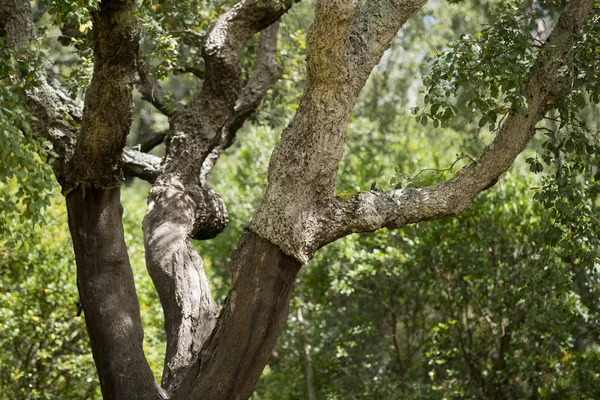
108, 294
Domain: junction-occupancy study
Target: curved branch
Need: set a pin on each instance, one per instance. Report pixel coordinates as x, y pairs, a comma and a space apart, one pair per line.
57, 118
140, 164
177, 270
56, 115
197, 129
151, 140
265, 74
299, 212
394, 209
108, 104
374, 28
304, 163
90, 174
181, 207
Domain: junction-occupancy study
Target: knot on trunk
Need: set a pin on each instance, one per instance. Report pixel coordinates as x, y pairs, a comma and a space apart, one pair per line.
211, 216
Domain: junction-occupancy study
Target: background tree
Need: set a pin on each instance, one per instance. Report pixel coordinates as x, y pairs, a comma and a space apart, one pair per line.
222, 354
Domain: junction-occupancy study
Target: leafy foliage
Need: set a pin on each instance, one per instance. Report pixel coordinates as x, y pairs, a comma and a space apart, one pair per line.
25, 178
487, 68
45, 350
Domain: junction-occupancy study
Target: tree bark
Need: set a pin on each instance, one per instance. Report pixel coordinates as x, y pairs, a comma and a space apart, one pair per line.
108, 105
16, 22
108, 295
181, 207
299, 212
368, 211
236, 352
345, 43
92, 188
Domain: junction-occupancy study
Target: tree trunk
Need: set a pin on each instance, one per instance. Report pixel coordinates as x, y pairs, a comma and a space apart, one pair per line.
310, 377
108, 295
238, 349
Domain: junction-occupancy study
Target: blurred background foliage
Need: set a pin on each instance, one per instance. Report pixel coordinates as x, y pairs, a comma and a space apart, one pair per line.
500, 303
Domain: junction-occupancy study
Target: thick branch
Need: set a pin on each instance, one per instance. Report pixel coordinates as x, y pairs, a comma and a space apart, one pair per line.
142, 165
181, 208
108, 295
16, 24
197, 129
174, 213
299, 212
373, 210
57, 116
304, 163
265, 74
374, 28
257, 307
108, 105
104, 276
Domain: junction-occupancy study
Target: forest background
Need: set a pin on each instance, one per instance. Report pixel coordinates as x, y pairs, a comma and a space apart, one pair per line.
501, 302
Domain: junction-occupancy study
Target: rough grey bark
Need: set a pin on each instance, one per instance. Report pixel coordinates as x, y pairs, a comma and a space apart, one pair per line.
345, 42
266, 73
57, 115
302, 220
181, 207
16, 22
108, 105
394, 209
92, 158
58, 119
142, 165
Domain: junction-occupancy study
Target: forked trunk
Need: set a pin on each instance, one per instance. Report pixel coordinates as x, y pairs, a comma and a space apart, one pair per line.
234, 356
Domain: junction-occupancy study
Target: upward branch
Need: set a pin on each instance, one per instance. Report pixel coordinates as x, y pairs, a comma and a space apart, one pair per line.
108, 105
373, 30
180, 206
151, 91
345, 42
249, 99
394, 209
89, 170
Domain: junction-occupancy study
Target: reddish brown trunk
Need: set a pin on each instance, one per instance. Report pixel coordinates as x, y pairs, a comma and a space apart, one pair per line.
234, 356
108, 295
